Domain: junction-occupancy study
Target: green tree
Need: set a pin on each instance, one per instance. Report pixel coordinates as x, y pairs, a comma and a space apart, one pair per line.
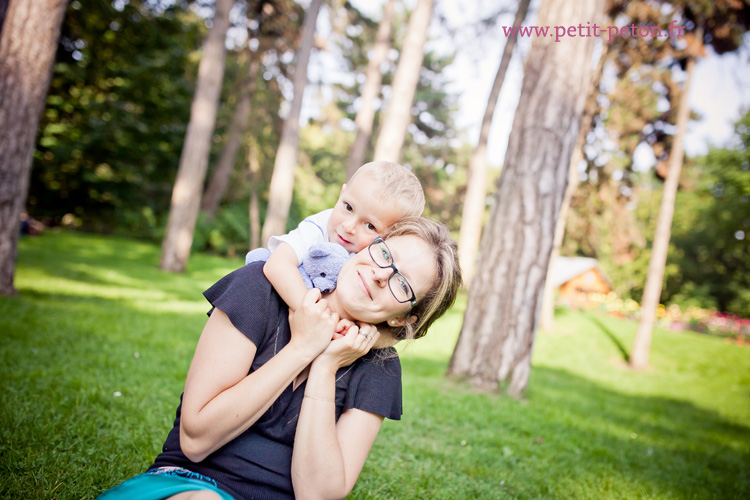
720, 25
431, 147
405, 80
271, 28
711, 238
27, 54
115, 116
188, 186
282, 180
370, 91
500, 322
472, 216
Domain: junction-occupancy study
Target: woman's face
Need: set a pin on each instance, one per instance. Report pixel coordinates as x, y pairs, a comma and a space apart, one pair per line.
362, 291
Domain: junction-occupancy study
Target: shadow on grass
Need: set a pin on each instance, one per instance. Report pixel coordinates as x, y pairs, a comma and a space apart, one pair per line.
571, 438
606, 331
98, 262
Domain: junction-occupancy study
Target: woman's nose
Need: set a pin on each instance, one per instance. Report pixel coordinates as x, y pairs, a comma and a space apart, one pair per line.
381, 275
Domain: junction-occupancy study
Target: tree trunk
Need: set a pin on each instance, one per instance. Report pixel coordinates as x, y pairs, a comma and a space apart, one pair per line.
398, 113
186, 194
240, 119
472, 216
28, 44
500, 321
652, 289
282, 181
547, 316
254, 209
371, 90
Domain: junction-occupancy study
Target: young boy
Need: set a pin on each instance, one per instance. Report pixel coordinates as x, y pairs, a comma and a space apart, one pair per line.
378, 194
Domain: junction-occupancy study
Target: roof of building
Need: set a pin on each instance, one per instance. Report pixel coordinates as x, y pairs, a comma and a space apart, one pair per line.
567, 268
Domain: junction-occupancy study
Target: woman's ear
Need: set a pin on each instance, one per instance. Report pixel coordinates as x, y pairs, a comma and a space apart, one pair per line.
400, 321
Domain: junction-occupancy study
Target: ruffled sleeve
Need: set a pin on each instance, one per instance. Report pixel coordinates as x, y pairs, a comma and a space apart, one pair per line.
375, 385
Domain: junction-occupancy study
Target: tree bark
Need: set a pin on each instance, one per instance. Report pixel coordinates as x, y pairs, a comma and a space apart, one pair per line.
497, 334
398, 112
186, 194
282, 181
472, 217
547, 316
28, 43
652, 290
240, 119
370, 91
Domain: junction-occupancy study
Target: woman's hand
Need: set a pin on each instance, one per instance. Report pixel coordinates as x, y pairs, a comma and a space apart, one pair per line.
314, 324
349, 347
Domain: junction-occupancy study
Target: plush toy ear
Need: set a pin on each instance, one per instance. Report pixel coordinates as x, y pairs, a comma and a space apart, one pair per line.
319, 251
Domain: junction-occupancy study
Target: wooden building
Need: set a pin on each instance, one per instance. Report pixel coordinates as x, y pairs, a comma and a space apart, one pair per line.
577, 277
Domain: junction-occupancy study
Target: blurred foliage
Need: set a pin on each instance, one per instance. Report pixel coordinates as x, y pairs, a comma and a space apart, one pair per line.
116, 114
708, 264
711, 236
273, 28
613, 213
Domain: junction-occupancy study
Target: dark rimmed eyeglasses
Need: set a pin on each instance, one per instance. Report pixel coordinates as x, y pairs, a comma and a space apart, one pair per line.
400, 288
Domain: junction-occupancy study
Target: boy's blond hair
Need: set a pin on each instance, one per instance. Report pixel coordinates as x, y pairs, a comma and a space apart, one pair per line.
396, 184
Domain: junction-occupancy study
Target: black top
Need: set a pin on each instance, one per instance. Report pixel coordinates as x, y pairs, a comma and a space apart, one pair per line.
257, 464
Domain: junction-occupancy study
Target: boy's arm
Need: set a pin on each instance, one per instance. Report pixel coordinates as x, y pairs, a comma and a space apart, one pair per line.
282, 271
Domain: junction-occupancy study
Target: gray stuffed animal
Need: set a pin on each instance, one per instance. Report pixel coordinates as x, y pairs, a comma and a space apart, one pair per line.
320, 267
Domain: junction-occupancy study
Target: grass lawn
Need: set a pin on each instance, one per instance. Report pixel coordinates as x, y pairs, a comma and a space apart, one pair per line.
95, 349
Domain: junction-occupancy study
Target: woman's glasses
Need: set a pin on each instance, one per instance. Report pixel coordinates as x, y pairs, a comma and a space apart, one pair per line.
400, 288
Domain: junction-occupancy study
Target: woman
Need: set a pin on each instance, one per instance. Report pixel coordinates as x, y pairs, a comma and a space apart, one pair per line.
280, 406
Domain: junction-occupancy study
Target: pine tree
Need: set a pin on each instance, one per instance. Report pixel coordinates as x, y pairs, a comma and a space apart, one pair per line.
28, 40
188, 187
500, 322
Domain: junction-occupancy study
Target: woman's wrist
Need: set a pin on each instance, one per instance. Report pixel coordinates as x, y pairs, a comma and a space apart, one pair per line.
325, 400
303, 350
325, 364
322, 377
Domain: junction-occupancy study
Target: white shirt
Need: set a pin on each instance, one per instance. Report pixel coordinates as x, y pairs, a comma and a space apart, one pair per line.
310, 231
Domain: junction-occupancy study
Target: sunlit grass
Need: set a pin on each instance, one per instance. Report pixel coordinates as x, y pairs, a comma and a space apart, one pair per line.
95, 349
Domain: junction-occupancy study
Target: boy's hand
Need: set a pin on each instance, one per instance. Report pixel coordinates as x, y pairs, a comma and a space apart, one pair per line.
342, 328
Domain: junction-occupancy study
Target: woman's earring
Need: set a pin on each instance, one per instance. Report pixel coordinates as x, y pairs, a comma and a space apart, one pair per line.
392, 322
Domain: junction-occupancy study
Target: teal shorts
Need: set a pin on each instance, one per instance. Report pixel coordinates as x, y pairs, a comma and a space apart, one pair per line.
162, 483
